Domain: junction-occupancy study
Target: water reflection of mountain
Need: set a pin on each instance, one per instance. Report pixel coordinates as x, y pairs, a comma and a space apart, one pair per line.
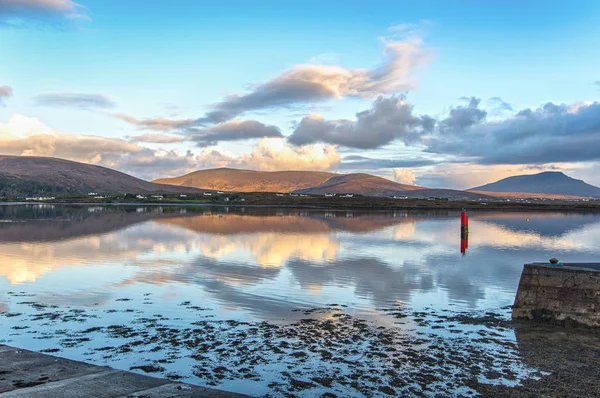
51, 224
46, 223
303, 222
544, 224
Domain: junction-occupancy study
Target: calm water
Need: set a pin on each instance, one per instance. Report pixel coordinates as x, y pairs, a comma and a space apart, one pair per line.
70, 276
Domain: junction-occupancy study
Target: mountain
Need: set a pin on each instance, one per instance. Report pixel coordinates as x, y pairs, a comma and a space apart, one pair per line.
359, 183
308, 182
32, 175
548, 182
249, 180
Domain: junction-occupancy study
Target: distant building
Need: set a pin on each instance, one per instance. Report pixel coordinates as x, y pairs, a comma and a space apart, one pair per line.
40, 198
220, 192
140, 197
207, 194
329, 194
92, 194
278, 194
226, 199
183, 196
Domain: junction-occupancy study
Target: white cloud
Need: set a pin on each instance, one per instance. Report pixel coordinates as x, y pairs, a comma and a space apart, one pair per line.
22, 135
404, 176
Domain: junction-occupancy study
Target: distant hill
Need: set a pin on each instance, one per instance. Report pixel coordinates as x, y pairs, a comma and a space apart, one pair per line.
548, 182
249, 180
450, 194
31, 175
359, 183
308, 182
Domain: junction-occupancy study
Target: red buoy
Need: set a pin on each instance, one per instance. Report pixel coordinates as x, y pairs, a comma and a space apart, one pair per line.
464, 232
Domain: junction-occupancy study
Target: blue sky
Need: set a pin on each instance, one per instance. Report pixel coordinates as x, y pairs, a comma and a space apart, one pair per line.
71, 70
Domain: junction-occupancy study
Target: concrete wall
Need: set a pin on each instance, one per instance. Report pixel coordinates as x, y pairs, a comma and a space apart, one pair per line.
560, 295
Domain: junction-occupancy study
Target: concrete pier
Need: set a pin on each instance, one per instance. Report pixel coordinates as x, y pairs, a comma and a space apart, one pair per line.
568, 294
28, 374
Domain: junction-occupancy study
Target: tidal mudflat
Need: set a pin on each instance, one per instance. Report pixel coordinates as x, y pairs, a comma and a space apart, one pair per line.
295, 302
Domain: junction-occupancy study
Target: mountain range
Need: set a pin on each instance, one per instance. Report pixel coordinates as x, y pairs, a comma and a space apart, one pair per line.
28, 175
547, 182
307, 182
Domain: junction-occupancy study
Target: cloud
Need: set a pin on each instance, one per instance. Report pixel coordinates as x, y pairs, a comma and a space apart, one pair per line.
404, 176
500, 104
28, 136
357, 162
158, 124
158, 138
150, 164
276, 154
22, 135
388, 120
5, 92
269, 154
75, 100
14, 12
233, 130
462, 117
310, 83
552, 133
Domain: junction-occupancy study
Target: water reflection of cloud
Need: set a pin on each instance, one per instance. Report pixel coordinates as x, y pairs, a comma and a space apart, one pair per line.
267, 248
26, 262
403, 231
267, 265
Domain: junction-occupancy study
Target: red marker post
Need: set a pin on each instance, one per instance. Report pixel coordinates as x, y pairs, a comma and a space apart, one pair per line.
464, 232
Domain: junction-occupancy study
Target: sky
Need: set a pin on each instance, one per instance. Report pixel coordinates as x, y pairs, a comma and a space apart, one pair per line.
450, 94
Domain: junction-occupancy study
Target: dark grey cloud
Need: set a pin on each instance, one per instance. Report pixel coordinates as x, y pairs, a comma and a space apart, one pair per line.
549, 134
462, 117
13, 12
388, 120
75, 100
5, 92
233, 130
357, 162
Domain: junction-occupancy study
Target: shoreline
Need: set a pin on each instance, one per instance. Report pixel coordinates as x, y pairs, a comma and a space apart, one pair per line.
358, 204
